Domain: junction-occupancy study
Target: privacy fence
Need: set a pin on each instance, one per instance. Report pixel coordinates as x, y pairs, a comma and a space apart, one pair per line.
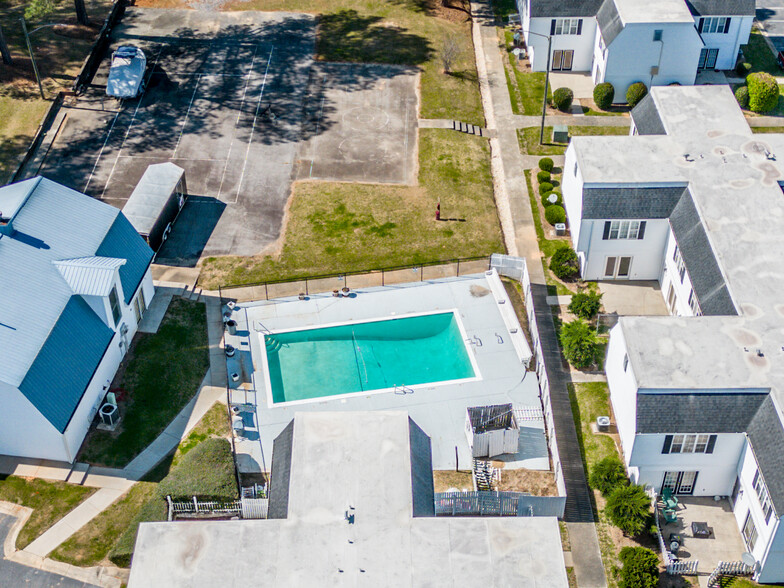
508, 504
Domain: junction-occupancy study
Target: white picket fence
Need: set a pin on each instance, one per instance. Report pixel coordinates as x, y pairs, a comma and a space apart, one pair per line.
728, 568
247, 508
672, 564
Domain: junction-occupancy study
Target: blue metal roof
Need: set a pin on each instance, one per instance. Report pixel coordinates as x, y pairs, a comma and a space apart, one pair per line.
66, 363
122, 241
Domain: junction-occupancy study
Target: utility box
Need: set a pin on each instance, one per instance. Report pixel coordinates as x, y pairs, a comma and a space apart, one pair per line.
560, 134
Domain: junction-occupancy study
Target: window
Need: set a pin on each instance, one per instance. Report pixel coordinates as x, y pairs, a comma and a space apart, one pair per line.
693, 304
566, 26
689, 443
601, 45
678, 259
114, 302
625, 361
749, 532
575, 169
657, 35
762, 494
716, 24
624, 229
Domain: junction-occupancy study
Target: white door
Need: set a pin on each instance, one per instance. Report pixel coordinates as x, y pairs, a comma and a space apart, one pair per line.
496, 443
617, 267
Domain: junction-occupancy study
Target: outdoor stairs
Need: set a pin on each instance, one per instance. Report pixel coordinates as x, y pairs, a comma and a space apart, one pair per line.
484, 474
191, 294
272, 344
468, 128
728, 568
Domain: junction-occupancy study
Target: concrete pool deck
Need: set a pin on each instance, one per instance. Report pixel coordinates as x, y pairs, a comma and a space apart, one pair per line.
487, 317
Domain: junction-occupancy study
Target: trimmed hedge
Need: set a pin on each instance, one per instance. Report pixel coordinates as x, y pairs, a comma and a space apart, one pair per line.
555, 214
608, 474
629, 508
546, 164
763, 92
558, 199
742, 96
206, 471
603, 95
564, 263
122, 552
545, 187
636, 92
542, 176
562, 99
585, 305
579, 343
640, 568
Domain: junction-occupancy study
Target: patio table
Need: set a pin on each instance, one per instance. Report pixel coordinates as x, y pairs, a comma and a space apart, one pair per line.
700, 529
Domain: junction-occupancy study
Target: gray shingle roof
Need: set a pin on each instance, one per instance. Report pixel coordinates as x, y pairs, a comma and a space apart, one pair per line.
767, 438
698, 412
706, 277
562, 8
609, 21
281, 473
646, 118
622, 203
721, 7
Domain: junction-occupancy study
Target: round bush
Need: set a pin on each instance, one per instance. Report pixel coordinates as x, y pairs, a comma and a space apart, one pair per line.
543, 176
742, 96
545, 187
564, 263
603, 95
763, 92
553, 197
579, 343
546, 164
555, 214
635, 93
743, 68
562, 99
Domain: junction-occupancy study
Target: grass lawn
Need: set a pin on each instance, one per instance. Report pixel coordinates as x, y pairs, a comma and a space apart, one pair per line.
779, 130
443, 480
19, 120
590, 400
410, 32
162, 374
50, 502
528, 138
759, 54
332, 226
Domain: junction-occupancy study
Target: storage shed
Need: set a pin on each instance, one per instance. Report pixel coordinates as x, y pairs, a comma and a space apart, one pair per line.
492, 430
156, 201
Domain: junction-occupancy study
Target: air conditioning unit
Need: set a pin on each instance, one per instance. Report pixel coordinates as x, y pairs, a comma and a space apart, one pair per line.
603, 423
110, 414
560, 229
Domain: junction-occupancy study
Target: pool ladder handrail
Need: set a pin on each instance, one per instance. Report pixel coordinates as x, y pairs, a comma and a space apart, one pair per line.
474, 341
403, 389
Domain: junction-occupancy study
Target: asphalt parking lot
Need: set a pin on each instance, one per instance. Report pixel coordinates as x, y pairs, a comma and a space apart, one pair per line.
234, 99
770, 14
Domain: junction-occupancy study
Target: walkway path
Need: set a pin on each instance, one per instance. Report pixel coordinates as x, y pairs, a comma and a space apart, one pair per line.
508, 173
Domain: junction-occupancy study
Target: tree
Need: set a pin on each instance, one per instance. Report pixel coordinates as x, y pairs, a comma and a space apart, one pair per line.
564, 262
4, 51
81, 12
629, 509
579, 343
39, 9
586, 305
450, 51
640, 568
608, 474
763, 92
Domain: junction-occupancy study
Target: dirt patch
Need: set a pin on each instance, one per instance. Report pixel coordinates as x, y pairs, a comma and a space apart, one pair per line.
76, 31
450, 10
521, 480
443, 480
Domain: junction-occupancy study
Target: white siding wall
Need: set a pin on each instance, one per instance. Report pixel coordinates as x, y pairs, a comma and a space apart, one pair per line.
572, 191
581, 44
646, 253
623, 391
773, 564
728, 44
670, 275
717, 470
633, 52
24, 431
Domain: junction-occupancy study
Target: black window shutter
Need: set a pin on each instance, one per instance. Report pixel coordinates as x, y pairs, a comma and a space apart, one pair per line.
699, 26
711, 444
552, 27
641, 232
727, 26
580, 26
768, 510
667, 443
606, 234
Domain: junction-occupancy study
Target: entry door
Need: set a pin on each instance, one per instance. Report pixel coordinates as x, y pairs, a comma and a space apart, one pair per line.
562, 60
617, 267
708, 59
568, 57
557, 60
679, 482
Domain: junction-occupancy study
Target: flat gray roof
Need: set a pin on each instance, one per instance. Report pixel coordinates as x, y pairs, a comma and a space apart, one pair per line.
151, 194
645, 11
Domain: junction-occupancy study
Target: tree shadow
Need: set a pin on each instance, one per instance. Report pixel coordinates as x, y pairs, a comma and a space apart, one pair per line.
465, 76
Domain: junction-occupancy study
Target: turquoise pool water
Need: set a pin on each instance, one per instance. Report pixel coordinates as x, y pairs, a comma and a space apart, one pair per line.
359, 357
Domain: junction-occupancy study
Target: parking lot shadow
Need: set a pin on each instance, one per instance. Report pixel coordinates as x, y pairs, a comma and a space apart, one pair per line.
191, 231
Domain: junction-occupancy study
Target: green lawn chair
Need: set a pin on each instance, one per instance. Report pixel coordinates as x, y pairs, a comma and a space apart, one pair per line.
670, 516
670, 501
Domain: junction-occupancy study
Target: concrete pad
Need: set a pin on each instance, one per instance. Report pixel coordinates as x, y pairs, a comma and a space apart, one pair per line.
78, 473
587, 559
635, 298
166, 275
156, 310
580, 83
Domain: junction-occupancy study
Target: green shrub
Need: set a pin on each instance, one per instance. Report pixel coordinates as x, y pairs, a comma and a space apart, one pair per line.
562, 99
586, 305
640, 568
546, 198
545, 187
542, 176
546, 164
629, 509
636, 92
579, 343
742, 96
555, 214
603, 95
206, 471
564, 263
152, 511
763, 92
608, 474
743, 68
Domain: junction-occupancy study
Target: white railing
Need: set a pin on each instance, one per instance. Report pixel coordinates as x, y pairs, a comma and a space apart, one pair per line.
492, 503
728, 568
248, 508
686, 567
255, 508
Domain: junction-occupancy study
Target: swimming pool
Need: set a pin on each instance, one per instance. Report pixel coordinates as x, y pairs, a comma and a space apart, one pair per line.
367, 356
